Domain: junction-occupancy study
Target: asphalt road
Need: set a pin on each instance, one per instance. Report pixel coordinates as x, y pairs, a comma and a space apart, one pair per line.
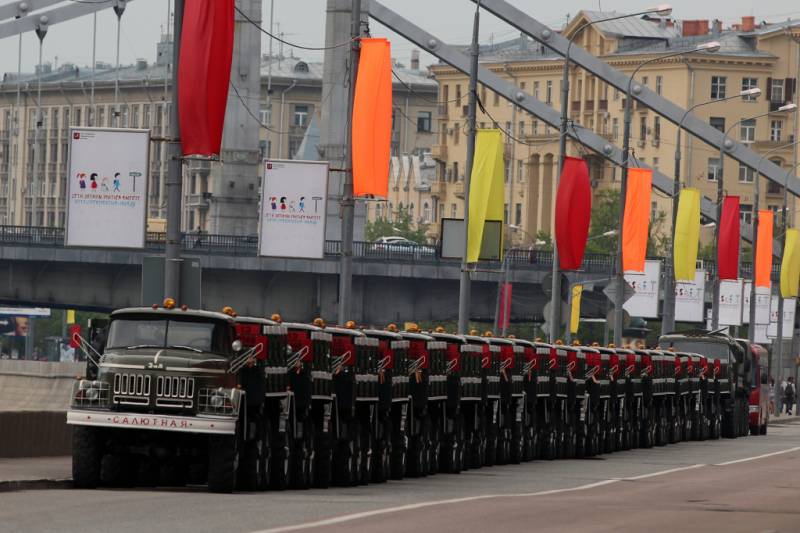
747, 485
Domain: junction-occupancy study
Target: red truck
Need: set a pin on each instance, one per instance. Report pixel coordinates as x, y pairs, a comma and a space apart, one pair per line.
759, 390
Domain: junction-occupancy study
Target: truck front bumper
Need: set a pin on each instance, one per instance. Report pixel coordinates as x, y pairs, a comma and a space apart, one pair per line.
183, 424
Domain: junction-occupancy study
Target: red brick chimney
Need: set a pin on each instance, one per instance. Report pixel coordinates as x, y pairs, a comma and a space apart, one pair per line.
748, 24
692, 28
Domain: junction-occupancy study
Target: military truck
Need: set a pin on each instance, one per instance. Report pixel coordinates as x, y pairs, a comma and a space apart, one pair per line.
167, 405
733, 372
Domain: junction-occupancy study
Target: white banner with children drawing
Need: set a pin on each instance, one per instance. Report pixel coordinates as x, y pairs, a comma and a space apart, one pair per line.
293, 204
107, 187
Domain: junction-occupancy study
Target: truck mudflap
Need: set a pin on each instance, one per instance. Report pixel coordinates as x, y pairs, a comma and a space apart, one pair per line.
183, 424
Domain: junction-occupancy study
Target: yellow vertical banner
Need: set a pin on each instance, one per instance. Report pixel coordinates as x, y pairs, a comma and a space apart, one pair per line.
790, 265
687, 234
486, 188
575, 312
70, 316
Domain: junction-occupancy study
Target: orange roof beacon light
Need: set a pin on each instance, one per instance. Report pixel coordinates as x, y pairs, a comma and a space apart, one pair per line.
412, 328
576, 342
439, 329
184, 307
612, 345
276, 317
537, 339
319, 322
559, 342
488, 334
512, 337
595, 344
350, 324
169, 303
392, 328
473, 332
228, 310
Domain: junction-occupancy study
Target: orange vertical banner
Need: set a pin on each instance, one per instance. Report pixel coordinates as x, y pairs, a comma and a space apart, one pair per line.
636, 219
372, 119
763, 255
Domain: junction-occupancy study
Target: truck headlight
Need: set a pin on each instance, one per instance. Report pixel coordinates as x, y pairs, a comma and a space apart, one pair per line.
87, 393
220, 401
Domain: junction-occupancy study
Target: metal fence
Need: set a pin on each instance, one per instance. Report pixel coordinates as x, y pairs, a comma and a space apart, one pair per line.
247, 245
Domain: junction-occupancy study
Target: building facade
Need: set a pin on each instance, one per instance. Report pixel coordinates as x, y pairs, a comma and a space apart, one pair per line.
751, 56
33, 185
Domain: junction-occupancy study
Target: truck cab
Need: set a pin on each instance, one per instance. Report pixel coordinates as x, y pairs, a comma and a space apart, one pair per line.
758, 401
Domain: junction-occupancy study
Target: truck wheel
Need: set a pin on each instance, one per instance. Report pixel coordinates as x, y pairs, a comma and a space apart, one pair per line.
435, 447
729, 420
280, 471
147, 472
302, 463
762, 430
118, 470
323, 458
344, 463
399, 458
223, 462
491, 449
87, 452
367, 454
251, 468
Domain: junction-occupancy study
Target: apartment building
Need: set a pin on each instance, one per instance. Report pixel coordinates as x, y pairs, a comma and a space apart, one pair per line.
33, 186
751, 55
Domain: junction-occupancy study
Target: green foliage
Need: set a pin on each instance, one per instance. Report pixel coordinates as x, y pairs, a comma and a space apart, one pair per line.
400, 225
546, 238
605, 218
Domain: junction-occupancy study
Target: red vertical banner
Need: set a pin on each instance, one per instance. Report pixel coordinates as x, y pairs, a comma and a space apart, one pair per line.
74, 330
573, 213
372, 119
729, 238
204, 73
504, 320
763, 255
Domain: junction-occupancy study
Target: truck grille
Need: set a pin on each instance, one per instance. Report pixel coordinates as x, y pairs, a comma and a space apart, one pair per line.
174, 387
132, 385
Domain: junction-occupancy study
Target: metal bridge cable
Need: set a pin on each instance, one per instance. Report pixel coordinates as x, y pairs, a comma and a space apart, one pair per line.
253, 115
287, 43
422, 96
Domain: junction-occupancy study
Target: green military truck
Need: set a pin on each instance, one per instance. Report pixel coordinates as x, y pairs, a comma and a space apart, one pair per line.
167, 405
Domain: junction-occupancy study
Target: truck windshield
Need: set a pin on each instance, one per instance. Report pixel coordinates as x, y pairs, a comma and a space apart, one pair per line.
712, 350
189, 335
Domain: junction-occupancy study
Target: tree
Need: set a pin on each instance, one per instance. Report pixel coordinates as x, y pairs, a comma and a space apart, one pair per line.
400, 225
605, 218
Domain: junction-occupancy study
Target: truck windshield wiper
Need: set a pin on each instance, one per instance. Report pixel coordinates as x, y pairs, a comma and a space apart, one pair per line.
182, 347
136, 346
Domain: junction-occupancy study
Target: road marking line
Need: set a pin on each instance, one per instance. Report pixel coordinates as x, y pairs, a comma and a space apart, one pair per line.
367, 514
662, 472
746, 459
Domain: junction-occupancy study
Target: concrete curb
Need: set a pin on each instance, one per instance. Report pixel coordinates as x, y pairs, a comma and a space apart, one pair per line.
35, 484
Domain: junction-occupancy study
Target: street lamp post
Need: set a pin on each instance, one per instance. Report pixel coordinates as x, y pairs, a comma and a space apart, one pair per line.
751, 332
727, 144
619, 296
661, 10
668, 313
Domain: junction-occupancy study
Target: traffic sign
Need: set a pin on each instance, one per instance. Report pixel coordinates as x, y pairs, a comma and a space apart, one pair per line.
547, 286
611, 290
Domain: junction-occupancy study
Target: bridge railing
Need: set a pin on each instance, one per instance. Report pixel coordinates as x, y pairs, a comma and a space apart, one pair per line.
247, 245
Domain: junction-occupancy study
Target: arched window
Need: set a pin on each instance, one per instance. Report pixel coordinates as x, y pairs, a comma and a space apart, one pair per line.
378, 210
426, 213
390, 214
411, 212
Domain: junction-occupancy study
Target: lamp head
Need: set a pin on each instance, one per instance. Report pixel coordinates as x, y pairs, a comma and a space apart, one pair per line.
788, 107
712, 46
755, 91
662, 10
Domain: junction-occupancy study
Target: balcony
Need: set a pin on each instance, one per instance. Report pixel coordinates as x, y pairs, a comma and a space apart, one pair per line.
775, 106
438, 189
576, 106
602, 105
198, 200
439, 151
589, 107
458, 189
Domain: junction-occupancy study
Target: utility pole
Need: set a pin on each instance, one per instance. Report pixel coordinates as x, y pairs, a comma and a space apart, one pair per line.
465, 281
172, 254
119, 9
348, 202
33, 184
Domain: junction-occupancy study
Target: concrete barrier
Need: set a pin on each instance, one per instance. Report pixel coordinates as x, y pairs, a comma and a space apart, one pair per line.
34, 398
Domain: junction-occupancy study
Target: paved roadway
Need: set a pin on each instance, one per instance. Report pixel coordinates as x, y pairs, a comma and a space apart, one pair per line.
747, 485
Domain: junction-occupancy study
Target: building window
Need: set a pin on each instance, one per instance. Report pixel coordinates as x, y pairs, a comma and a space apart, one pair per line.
426, 213
456, 134
653, 210
659, 84
535, 127
718, 87
748, 130
507, 170
655, 163
775, 127
615, 128
452, 210
548, 93
536, 90
519, 170
657, 129
746, 174
518, 214
776, 91
424, 121
300, 115
458, 94
713, 169
747, 84
717, 122
643, 129
496, 99
265, 115
746, 213
521, 128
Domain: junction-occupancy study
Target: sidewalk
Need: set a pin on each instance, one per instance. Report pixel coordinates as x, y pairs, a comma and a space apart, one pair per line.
33, 473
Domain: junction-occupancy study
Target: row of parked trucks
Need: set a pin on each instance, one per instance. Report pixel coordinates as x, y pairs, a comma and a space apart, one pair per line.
175, 396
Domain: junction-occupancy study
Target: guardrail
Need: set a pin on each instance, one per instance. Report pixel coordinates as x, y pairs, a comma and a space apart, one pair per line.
247, 245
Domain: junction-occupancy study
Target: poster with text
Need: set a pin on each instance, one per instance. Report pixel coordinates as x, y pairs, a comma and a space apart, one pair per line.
730, 302
762, 304
789, 308
107, 187
690, 298
293, 203
645, 302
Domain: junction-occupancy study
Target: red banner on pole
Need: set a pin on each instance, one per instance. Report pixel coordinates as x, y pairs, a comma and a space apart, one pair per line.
573, 213
728, 242
74, 329
204, 73
504, 320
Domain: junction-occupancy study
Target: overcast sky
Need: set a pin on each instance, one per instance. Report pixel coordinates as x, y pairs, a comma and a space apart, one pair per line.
302, 22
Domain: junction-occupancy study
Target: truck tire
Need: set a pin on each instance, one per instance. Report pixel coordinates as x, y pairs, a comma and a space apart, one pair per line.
344, 463
762, 430
87, 452
281, 455
147, 474
323, 457
729, 423
367, 448
251, 468
223, 462
118, 470
435, 447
